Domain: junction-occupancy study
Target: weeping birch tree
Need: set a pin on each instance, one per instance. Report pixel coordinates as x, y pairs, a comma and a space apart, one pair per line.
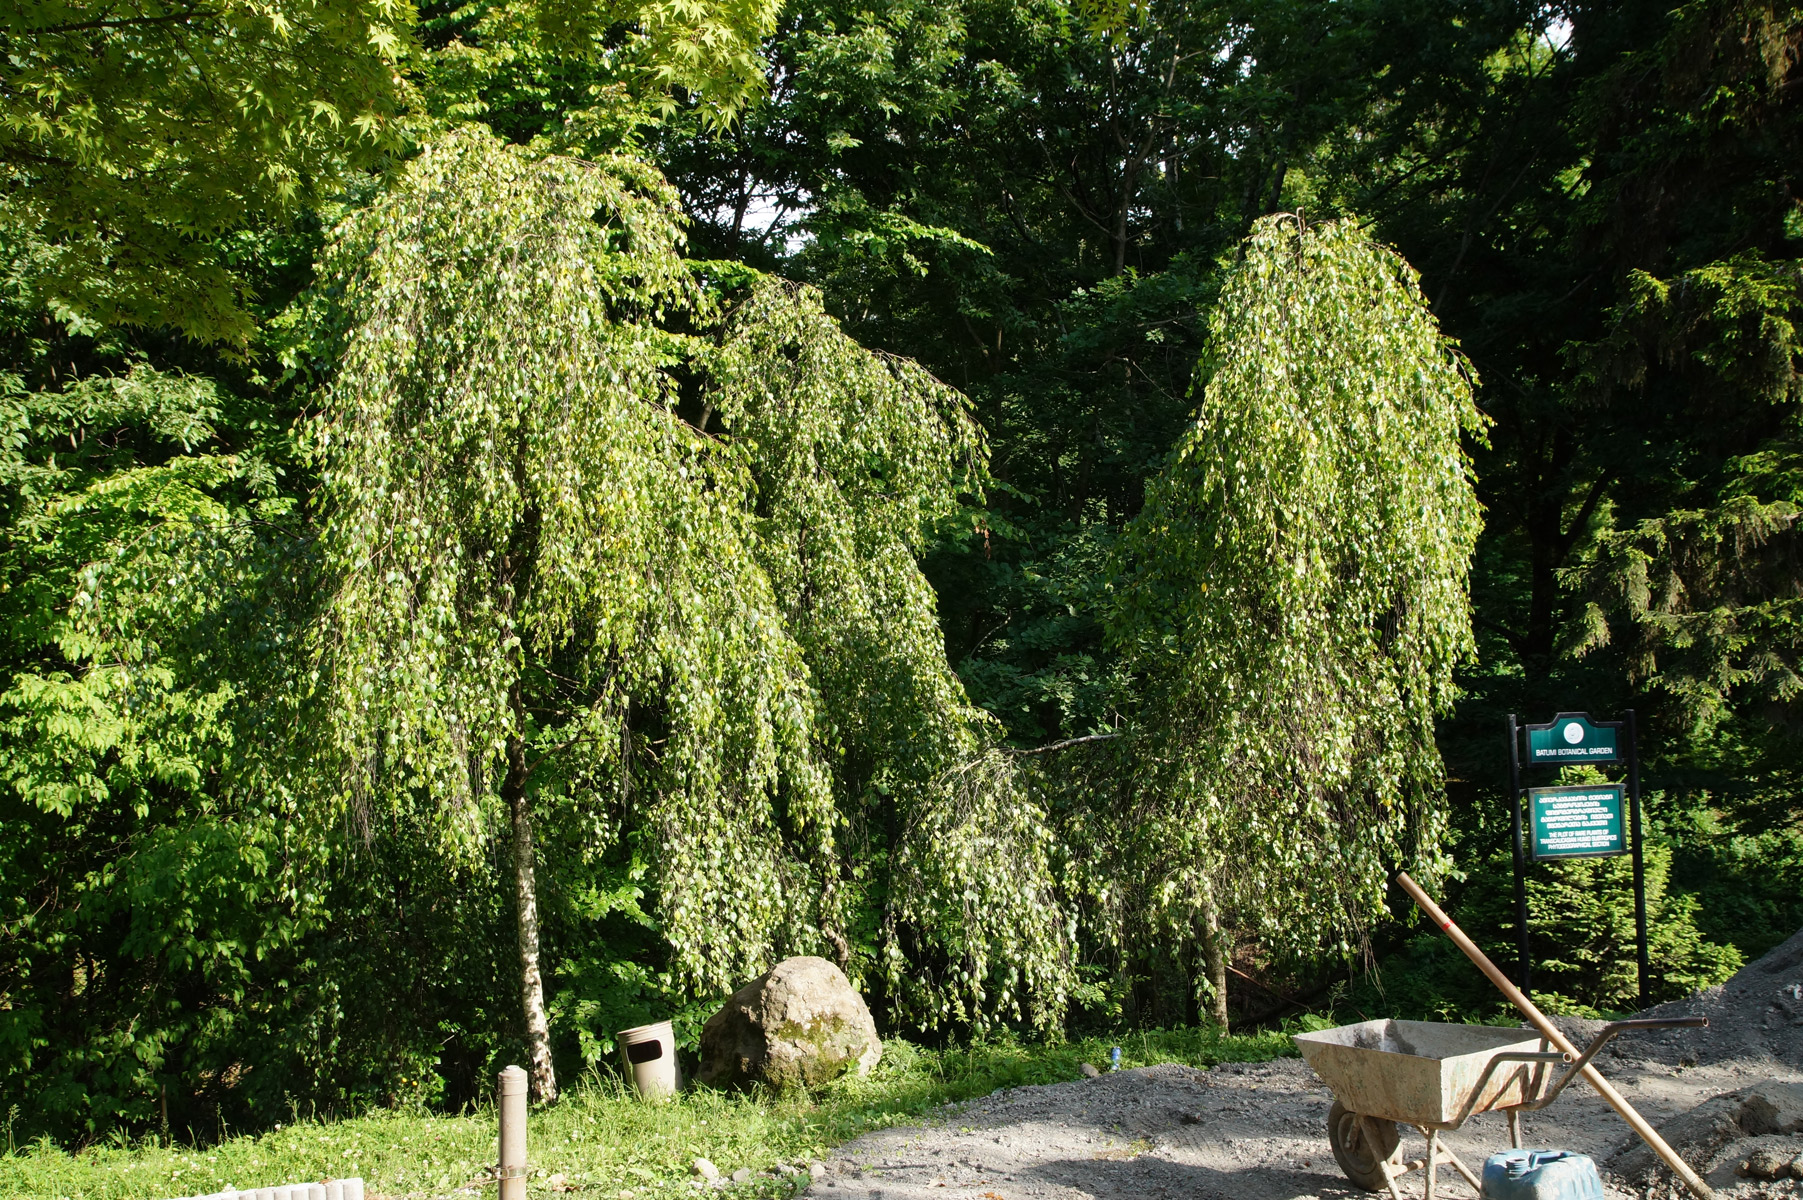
1294, 595
590, 535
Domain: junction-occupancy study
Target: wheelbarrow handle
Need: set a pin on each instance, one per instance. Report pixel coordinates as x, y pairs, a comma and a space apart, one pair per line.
1637, 1025
1496, 1060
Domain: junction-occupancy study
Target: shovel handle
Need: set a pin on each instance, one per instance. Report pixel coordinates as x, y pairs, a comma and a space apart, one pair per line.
1551, 1033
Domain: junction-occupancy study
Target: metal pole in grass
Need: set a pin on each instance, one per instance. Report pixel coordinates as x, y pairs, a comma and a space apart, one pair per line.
510, 1105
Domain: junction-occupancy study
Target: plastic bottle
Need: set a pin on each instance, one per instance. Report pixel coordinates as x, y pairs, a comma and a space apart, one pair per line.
1541, 1175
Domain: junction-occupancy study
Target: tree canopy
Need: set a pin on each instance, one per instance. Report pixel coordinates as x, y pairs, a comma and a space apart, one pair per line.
1294, 590
543, 579
139, 141
513, 514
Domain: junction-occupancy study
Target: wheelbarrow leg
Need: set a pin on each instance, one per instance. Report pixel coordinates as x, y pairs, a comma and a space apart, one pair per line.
1382, 1164
1433, 1164
1390, 1181
1514, 1115
1464, 1170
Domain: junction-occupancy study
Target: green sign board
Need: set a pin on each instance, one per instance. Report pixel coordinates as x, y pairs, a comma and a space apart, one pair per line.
1571, 738
1577, 822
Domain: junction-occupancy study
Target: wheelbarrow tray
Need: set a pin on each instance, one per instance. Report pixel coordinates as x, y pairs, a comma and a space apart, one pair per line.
1423, 1073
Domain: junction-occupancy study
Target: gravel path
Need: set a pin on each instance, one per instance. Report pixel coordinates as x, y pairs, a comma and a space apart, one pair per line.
1258, 1132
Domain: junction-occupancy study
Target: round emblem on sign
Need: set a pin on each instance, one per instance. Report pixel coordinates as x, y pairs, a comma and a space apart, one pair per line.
1574, 733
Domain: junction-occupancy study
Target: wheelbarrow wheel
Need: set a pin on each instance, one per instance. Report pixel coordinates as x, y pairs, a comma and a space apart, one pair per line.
1360, 1146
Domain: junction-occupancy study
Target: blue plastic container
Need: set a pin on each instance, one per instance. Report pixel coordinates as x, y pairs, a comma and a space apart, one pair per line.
1541, 1175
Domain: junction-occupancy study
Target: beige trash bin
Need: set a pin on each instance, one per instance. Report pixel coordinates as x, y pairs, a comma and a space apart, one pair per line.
649, 1055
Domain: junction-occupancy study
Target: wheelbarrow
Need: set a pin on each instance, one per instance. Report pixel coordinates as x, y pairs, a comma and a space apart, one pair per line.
1435, 1077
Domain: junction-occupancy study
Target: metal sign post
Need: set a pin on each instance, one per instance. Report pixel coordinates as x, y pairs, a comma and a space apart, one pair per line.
1523, 962
1584, 821
1639, 861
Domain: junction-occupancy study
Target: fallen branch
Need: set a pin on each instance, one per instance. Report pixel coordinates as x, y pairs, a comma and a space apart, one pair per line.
1076, 741
1266, 988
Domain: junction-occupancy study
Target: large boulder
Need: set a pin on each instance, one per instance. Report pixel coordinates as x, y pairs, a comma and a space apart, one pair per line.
800, 1023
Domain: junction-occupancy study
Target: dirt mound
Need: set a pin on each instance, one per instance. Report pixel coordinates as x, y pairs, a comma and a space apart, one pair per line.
1755, 1026
1756, 1015
1714, 1137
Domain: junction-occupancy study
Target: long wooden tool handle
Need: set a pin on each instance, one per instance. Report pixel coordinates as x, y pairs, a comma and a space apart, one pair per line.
1551, 1033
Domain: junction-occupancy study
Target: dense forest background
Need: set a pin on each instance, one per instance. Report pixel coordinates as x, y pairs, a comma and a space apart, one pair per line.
1038, 204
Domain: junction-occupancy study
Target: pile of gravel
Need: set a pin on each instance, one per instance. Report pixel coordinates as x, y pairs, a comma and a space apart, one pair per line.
1744, 1142
1757, 1013
1755, 1017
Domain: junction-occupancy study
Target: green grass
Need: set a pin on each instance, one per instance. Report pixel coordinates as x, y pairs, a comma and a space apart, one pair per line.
602, 1141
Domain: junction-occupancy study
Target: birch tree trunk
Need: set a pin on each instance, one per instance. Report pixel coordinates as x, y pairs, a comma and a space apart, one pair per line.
517, 570
1214, 961
532, 984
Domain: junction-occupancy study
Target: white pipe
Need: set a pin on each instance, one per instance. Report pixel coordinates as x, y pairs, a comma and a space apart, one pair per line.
510, 1105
